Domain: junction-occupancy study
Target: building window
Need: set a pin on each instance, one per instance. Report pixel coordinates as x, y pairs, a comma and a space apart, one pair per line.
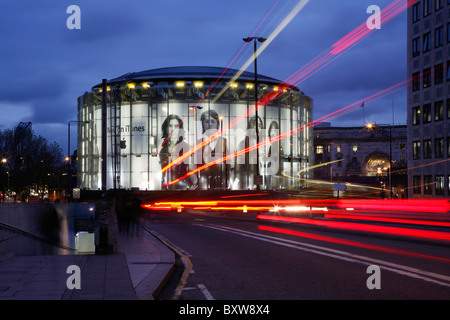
355, 148
439, 4
438, 37
416, 115
447, 74
416, 47
448, 147
440, 184
426, 42
427, 78
448, 108
402, 147
438, 73
427, 149
416, 12
439, 147
448, 34
319, 149
338, 148
427, 183
416, 184
416, 150
426, 113
426, 8
416, 81
438, 110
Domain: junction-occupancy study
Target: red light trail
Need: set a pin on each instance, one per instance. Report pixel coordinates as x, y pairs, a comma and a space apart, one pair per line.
350, 243
388, 219
397, 231
349, 108
341, 46
217, 80
347, 42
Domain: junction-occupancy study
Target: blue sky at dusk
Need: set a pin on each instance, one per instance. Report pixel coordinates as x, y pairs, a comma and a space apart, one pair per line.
45, 66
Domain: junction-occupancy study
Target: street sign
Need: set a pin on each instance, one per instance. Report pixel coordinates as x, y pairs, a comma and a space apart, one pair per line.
339, 187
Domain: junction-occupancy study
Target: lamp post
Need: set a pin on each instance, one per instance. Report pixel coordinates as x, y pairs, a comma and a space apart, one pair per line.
223, 166
371, 126
4, 163
195, 138
255, 40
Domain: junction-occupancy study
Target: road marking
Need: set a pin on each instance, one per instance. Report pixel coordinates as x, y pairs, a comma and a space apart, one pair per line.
205, 292
341, 255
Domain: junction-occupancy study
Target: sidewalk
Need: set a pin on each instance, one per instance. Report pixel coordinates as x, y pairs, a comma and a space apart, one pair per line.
135, 272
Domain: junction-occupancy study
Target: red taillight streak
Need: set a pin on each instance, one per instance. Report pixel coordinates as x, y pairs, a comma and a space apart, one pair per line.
427, 234
349, 243
338, 48
341, 111
413, 205
387, 219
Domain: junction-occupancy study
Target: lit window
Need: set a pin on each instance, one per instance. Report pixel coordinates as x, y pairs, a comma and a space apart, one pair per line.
319, 149
416, 150
416, 115
355, 148
438, 110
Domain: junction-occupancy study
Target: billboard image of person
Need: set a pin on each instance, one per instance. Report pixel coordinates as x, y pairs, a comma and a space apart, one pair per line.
270, 160
247, 165
215, 175
174, 146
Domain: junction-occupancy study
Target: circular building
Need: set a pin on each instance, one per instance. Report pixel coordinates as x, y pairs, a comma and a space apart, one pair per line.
194, 127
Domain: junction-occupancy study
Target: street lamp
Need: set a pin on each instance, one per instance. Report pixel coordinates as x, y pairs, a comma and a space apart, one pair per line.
371, 126
195, 137
4, 162
255, 40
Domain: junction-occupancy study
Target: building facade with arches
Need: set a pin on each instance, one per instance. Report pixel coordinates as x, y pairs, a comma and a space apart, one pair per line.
372, 156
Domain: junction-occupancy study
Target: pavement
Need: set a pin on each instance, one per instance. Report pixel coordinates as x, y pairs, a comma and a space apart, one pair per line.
136, 270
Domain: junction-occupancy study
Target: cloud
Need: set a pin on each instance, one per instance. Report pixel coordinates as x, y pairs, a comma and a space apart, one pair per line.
12, 113
49, 66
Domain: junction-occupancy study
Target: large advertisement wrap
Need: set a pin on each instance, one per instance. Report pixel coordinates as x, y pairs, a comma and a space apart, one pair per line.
153, 136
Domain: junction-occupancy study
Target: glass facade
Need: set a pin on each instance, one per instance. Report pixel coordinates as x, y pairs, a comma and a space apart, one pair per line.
155, 118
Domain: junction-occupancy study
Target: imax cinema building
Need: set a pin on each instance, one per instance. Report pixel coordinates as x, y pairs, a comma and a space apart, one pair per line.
155, 117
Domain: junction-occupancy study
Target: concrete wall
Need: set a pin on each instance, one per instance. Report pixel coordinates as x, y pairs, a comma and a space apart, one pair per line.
33, 229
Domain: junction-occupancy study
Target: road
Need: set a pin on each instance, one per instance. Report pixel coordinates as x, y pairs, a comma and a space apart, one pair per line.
230, 257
